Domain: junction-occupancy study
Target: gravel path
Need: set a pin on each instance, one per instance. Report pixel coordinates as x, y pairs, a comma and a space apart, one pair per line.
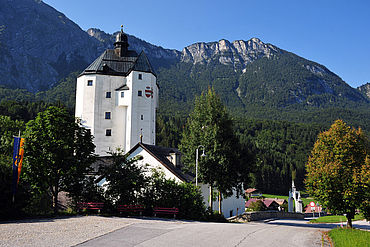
58, 232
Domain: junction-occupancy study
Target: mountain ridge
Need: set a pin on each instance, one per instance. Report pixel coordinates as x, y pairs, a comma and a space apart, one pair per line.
247, 74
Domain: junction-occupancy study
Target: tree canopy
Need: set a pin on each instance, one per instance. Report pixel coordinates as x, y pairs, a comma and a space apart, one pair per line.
58, 152
211, 126
338, 169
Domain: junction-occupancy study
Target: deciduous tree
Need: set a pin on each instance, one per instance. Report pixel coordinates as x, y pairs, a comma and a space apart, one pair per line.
337, 168
125, 179
58, 151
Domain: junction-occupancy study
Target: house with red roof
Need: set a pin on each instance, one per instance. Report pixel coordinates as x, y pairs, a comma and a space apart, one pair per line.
270, 204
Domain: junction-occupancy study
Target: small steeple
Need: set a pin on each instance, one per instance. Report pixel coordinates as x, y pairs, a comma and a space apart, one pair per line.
121, 44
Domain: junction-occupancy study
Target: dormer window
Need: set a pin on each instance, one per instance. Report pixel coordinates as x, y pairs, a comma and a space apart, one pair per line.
89, 82
140, 76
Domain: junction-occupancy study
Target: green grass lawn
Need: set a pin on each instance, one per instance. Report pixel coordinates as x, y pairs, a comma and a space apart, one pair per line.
343, 237
335, 219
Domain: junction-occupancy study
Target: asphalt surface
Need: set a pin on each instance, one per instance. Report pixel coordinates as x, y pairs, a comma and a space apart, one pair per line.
179, 233
119, 231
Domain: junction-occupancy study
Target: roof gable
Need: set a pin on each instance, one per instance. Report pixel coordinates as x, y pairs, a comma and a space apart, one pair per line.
142, 64
160, 154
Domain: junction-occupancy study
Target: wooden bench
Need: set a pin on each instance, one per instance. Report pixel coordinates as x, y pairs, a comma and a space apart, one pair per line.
130, 208
160, 210
90, 206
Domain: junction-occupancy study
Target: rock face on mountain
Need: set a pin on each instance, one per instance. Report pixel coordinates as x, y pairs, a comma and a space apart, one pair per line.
39, 45
365, 89
238, 53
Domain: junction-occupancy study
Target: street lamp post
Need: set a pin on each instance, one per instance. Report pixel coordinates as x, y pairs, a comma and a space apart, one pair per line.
196, 162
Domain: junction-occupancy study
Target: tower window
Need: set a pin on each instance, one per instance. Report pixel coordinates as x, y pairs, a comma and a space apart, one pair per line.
122, 94
89, 82
140, 76
108, 95
140, 93
107, 115
108, 132
142, 117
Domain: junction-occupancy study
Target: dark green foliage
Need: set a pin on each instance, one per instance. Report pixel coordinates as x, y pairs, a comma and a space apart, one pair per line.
129, 184
210, 125
9, 129
24, 111
280, 149
8, 208
169, 130
58, 153
17, 95
125, 180
64, 93
167, 193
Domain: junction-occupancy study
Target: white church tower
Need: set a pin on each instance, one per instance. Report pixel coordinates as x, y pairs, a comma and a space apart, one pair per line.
117, 97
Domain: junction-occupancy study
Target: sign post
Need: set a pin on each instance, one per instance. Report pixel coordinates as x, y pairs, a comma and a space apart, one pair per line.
312, 204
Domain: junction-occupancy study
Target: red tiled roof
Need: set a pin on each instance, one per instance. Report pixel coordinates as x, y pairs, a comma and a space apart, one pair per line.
250, 190
279, 201
267, 202
248, 203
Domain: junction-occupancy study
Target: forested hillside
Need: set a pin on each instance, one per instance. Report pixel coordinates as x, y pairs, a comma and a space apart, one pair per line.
280, 101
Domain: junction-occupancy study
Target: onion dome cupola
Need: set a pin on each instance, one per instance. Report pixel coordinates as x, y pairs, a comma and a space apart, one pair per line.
121, 44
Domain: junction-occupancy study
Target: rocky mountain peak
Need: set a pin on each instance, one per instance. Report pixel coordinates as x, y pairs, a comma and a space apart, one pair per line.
365, 89
238, 53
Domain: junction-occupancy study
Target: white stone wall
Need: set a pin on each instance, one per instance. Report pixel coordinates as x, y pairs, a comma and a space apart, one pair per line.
230, 206
129, 114
144, 107
150, 163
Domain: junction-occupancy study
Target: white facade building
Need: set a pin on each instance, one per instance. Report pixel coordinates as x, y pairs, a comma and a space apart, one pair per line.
167, 160
117, 97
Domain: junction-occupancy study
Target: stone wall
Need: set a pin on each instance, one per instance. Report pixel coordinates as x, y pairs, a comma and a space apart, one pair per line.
264, 215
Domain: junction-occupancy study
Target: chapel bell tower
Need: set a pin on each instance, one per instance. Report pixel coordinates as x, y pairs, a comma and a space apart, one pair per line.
117, 98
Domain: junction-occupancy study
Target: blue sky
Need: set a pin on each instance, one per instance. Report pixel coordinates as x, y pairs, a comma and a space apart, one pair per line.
333, 33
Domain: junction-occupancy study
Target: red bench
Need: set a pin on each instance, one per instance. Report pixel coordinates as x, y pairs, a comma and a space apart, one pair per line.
130, 208
90, 206
160, 210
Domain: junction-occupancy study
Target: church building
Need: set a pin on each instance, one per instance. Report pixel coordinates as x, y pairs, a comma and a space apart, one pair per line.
117, 98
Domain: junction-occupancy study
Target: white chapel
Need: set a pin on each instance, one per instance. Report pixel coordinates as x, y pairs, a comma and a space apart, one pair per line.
117, 98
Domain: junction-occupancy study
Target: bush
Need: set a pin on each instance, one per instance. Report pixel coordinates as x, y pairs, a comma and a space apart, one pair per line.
167, 193
214, 217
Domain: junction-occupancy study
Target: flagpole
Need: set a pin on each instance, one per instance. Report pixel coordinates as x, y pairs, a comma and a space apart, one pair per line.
13, 197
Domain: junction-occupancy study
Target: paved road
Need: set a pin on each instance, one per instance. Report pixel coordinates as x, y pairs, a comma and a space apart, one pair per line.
154, 233
120, 231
